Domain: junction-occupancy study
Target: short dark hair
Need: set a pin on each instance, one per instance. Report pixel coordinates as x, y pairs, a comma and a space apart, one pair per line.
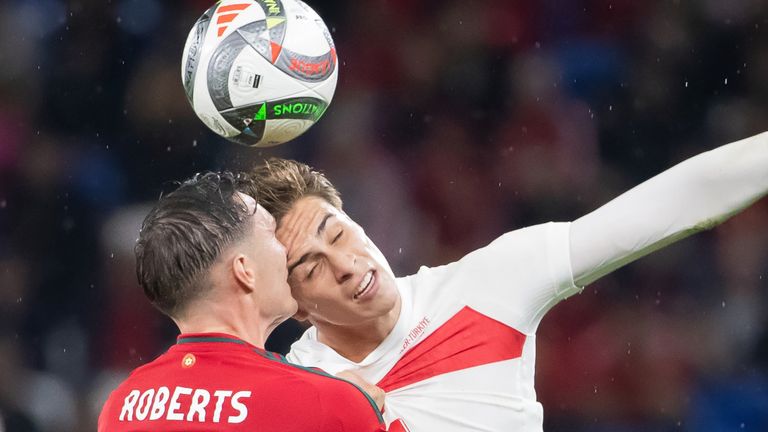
282, 182
183, 235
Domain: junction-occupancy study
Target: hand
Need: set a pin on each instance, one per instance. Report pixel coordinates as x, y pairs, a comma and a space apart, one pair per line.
374, 392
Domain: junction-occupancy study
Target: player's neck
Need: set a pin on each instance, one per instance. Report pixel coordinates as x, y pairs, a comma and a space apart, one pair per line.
213, 317
355, 342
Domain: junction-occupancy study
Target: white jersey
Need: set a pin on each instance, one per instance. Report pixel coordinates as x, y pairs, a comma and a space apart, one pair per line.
461, 355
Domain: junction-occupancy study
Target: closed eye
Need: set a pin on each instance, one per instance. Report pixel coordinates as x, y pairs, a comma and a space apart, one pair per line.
338, 236
311, 271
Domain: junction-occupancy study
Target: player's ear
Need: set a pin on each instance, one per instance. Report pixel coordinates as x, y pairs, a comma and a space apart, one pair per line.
243, 272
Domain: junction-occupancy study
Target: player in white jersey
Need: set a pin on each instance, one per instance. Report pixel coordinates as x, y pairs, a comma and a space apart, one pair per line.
454, 346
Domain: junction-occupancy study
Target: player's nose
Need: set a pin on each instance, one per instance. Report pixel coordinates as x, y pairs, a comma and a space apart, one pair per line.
343, 264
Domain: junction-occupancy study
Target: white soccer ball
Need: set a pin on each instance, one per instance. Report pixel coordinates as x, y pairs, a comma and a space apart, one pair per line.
259, 72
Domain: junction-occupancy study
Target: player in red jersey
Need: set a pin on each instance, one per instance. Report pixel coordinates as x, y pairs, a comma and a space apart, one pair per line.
208, 258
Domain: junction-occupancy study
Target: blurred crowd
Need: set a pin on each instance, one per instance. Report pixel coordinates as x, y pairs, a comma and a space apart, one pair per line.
453, 122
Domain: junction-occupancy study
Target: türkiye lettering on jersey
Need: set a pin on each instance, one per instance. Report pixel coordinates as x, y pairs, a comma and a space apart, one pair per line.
415, 333
185, 404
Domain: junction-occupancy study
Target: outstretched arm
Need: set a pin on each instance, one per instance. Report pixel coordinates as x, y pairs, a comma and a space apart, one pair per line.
692, 196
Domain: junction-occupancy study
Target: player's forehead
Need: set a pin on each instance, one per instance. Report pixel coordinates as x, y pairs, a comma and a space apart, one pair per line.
304, 218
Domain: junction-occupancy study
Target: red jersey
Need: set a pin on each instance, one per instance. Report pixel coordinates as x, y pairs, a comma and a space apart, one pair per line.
216, 382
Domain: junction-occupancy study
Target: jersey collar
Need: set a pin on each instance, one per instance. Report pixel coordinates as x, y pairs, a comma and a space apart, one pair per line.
191, 338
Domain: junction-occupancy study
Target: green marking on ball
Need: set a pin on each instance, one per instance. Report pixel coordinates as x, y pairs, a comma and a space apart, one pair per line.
296, 108
261, 114
299, 108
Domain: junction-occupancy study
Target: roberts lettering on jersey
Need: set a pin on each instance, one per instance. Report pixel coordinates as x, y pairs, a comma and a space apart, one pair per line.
215, 382
158, 404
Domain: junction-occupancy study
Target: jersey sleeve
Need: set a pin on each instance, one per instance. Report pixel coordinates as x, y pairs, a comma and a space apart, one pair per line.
516, 279
692, 196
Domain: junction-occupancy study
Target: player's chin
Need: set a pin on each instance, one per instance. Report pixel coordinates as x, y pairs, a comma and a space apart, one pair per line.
385, 300
387, 292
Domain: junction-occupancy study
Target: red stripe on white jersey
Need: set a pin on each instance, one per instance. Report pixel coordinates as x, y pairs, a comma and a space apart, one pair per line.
466, 340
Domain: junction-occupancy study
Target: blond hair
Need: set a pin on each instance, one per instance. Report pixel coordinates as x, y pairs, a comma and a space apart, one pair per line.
279, 183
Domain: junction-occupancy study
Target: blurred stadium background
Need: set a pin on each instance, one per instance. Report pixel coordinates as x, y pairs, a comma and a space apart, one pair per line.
453, 121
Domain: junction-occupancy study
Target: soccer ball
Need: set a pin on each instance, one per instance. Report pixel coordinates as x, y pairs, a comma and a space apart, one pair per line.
259, 72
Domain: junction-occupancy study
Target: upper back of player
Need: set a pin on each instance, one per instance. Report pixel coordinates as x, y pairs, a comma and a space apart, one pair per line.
215, 382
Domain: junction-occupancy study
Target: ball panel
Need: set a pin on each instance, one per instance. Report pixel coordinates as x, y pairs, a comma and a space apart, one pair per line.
280, 131
272, 8
248, 120
307, 68
324, 89
253, 78
303, 35
221, 63
253, 121
232, 14
307, 50
193, 50
318, 21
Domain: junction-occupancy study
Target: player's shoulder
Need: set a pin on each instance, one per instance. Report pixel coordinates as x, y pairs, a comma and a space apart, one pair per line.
141, 373
310, 381
341, 404
530, 236
308, 351
137, 378
530, 240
